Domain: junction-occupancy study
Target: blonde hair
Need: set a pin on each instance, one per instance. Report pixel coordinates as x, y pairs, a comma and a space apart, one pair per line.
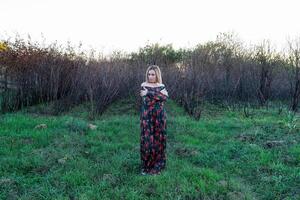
157, 73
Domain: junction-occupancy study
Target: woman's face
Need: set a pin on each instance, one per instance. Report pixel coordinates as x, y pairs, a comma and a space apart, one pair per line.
151, 76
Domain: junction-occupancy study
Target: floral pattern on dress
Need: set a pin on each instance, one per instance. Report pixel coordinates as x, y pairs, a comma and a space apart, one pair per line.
153, 130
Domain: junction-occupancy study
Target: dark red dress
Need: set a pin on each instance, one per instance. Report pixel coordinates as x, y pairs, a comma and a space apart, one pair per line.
153, 130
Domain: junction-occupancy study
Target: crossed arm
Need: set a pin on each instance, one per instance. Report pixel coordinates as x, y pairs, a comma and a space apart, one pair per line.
161, 95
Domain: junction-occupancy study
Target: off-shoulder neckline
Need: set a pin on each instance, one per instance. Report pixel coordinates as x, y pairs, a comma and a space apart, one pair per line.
154, 86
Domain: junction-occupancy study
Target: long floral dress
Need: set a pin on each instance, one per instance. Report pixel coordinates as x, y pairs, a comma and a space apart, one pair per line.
153, 130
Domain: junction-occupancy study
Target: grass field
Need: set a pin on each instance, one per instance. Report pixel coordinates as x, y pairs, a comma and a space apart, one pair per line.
223, 156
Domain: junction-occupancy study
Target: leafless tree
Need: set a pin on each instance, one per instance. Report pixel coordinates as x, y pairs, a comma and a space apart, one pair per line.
294, 61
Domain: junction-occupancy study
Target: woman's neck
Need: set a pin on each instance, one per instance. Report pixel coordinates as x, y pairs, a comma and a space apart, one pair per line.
153, 84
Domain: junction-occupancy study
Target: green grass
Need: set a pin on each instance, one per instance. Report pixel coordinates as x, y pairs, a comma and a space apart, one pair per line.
222, 156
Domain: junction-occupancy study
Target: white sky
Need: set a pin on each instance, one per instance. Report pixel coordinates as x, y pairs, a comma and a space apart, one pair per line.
129, 24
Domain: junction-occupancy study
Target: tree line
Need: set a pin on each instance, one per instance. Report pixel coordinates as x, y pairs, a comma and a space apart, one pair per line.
222, 71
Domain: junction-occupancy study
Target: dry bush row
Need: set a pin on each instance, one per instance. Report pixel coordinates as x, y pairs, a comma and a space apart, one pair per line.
223, 71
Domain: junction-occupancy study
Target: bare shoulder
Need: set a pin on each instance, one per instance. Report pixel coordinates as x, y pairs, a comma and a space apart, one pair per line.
143, 83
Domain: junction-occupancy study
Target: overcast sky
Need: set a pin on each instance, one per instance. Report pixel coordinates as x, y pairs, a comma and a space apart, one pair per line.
129, 24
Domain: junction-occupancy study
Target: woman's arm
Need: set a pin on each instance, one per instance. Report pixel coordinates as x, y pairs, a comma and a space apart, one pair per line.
159, 96
165, 92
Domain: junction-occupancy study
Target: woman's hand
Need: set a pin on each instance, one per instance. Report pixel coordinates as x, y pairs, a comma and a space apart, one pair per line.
165, 92
143, 92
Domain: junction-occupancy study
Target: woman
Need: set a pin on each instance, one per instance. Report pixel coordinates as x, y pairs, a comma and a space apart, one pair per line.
153, 122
